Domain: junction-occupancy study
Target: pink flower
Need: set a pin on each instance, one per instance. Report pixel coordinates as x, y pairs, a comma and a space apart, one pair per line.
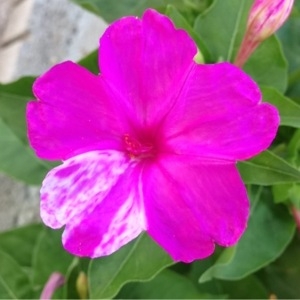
150, 144
266, 17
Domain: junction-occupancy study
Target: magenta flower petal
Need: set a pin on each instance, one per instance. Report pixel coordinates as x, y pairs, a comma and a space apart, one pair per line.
215, 119
97, 195
131, 61
196, 204
149, 144
65, 120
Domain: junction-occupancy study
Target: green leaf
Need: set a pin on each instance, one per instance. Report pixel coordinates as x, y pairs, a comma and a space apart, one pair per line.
14, 282
290, 39
288, 109
90, 62
49, 256
166, 285
294, 85
212, 287
13, 99
18, 160
16, 157
268, 169
289, 193
181, 22
69, 288
222, 27
282, 276
293, 149
268, 66
24, 238
115, 9
247, 288
281, 192
270, 230
139, 260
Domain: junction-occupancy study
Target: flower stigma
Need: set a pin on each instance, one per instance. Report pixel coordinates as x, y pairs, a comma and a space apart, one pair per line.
137, 150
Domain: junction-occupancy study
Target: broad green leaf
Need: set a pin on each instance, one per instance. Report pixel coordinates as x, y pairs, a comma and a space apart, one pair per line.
181, 22
13, 99
212, 287
281, 192
268, 66
23, 238
49, 256
293, 149
14, 282
289, 193
115, 9
18, 160
222, 27
294, 86
270, 230
90, 62
288, 109
290, 39
268, 169
16, 157
139, 260
166, 285
282, 276
247, 288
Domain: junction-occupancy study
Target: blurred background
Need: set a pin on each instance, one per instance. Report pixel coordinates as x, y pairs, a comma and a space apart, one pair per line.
34, 35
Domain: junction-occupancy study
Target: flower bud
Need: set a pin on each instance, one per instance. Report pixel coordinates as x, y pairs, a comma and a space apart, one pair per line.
82, 285
266, 16
296, 215
55, 281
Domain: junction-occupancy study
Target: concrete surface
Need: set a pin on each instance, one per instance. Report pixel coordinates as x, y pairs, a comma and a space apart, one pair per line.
34, 35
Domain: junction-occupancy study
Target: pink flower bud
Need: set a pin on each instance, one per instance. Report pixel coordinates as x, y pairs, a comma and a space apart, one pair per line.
266, 16
296, 215
55, 281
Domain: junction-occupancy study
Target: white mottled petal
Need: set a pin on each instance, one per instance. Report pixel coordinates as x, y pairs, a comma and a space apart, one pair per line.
115, 221
71, 187
131, 217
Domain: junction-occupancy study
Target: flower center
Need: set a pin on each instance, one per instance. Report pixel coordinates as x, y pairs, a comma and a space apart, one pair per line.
135, 149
